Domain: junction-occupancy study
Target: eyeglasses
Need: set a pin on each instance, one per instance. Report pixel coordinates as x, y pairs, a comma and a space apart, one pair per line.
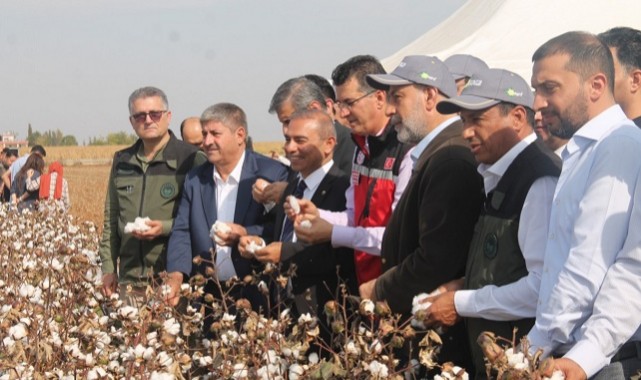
141, 117
350, 103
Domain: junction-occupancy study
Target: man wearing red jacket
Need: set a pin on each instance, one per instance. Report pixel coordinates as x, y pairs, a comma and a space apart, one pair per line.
380, 171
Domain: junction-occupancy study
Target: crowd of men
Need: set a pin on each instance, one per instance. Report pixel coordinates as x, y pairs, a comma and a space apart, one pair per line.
514, 208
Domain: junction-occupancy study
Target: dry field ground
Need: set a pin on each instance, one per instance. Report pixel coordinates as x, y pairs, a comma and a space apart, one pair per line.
87, 171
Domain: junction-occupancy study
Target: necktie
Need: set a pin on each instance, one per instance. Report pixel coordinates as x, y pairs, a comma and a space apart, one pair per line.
288, 227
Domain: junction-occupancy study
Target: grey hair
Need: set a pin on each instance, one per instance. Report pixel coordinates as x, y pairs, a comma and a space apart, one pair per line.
228, 114
147, 92
300, 92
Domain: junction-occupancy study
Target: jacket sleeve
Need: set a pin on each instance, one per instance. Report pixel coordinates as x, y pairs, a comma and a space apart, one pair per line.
110, 244
449, 204
179, 248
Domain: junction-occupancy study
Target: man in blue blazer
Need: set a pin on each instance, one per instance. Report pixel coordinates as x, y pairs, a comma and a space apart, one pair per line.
220, 190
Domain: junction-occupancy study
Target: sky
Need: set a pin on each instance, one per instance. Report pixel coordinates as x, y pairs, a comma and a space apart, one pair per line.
72, 64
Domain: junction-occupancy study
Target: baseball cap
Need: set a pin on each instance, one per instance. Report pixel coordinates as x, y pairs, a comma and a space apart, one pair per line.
464, 65
487, 88
417, 69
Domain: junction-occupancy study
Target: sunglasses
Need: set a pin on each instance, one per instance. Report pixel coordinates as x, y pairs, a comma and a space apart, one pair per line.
141, 117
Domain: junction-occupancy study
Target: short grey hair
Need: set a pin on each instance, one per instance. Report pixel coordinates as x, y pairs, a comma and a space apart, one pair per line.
147, 92
300, 92
228, 114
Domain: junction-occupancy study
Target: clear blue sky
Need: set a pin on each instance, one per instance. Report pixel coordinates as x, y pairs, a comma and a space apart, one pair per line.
71, 64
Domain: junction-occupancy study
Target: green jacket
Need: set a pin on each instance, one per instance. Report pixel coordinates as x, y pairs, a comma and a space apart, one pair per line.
138, 189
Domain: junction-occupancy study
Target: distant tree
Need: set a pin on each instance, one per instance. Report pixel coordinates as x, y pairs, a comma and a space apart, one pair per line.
117, 138
69, 140
34, 138
29, 132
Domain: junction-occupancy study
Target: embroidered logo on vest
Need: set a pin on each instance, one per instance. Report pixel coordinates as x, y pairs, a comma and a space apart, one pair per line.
491, 245
167, 190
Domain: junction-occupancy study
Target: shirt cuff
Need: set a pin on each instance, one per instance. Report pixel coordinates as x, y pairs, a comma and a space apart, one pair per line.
342, 236
539, 339
588, 356
464, 303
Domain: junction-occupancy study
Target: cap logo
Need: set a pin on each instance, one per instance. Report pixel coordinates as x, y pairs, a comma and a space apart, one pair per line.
402, 64
474, 82
510, 92
425, 75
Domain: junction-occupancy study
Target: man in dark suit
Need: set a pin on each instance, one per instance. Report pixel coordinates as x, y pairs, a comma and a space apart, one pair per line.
220, 190
310, 140
428, 236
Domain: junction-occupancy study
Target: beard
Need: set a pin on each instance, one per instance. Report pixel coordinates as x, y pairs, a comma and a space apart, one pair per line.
410, 130
573, 118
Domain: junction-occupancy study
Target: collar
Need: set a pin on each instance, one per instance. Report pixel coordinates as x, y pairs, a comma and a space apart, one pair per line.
420, 147
314, 179
235, 174
595, 129
492, 173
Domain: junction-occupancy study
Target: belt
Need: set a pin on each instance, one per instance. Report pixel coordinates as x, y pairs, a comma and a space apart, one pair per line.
630, 350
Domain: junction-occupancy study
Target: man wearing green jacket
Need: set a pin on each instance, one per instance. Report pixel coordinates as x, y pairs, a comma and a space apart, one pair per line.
146, 181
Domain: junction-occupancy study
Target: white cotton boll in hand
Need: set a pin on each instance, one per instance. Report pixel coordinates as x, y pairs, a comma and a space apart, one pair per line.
252, 247
293, 203
306, 224
218, 229
139, 225
417, 306
556, 375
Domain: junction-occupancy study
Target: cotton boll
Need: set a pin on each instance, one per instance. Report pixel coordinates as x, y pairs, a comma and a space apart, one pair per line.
306, 224
252, 247
293, 203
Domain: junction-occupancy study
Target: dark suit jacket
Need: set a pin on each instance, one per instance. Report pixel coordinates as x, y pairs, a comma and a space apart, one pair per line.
317, 263
345, 147
427, 239
197, 212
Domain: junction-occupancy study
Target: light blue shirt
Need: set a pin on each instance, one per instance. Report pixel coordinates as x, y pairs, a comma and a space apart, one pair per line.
420, 147
590, 296
17, 165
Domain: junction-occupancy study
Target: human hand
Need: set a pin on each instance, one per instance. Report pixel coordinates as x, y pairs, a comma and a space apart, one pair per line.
258, 190
570, 369
313, 231
245, 241
29, 173
443, 310
274, 191
270, 254
154, 231
109, 284
173, 281
366, 290
232, 236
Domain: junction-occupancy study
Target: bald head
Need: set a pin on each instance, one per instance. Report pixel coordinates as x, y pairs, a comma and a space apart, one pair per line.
191, 131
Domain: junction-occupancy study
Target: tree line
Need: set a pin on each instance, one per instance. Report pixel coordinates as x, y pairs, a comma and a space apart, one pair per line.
57, 138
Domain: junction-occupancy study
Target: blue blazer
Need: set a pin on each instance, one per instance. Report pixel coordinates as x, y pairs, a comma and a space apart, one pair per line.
197, 212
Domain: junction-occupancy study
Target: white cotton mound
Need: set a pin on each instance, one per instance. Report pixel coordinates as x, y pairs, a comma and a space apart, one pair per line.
219, 228
306, 224
252, 247
418, 306
139, 225
293, 203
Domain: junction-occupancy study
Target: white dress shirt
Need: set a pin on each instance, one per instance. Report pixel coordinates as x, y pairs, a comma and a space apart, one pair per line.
226, 196
590, 297
516, 300
366, 239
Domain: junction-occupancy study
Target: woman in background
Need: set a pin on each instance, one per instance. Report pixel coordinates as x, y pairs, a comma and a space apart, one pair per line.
32, 169
52, 186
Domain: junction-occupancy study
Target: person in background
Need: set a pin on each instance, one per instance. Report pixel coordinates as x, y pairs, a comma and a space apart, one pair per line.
20, 195
462, 67
10, 174
192, 132
52, 186
625, 45
553, 143
8, 157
